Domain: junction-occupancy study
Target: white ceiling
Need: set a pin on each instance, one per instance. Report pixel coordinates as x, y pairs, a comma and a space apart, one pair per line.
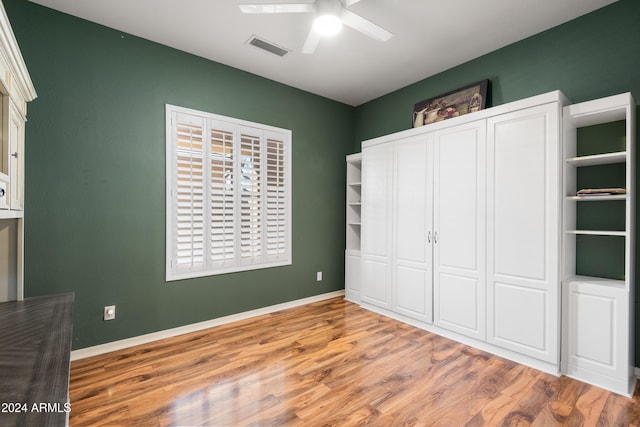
429, 37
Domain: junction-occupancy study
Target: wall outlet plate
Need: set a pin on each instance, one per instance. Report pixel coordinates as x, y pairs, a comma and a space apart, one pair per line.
319, 276
109, 312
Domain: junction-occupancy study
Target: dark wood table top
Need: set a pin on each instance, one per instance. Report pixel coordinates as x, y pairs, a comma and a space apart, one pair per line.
35, 351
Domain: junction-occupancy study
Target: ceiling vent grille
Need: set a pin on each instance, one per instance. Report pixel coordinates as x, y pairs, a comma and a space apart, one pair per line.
268, 46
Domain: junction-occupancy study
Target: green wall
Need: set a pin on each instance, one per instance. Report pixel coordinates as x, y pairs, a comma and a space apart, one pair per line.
95, 186
95, 156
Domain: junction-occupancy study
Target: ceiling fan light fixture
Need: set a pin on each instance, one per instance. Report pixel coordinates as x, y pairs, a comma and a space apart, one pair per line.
327, 25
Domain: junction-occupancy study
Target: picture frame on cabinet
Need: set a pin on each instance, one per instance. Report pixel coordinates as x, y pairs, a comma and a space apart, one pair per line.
464, 100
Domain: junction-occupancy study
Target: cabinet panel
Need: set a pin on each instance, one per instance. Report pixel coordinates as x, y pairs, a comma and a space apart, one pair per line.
523, 231
411, 202
520, 196
353, 279
377, 167
412, 280
595, 328
377, 163
459, 304
375, 281
458, 180
459, 228
597, 321
413, 293
518, 314
16, 158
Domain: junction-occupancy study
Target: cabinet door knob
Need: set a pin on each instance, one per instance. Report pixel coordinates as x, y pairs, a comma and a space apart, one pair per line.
2, 192
429, 237
435, 237
14, 155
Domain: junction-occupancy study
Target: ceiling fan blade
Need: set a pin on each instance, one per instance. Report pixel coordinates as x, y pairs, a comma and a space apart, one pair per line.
357, 22
313, 39
277, 8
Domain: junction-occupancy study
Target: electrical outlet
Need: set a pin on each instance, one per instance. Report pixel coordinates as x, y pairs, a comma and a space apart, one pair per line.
319, 276
109, 312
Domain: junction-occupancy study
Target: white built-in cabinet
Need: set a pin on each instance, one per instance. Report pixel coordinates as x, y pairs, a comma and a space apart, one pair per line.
16, 89
599, 242
461, 228
472, 228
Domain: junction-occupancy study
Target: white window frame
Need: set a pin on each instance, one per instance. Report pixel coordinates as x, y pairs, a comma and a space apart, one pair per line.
267, 241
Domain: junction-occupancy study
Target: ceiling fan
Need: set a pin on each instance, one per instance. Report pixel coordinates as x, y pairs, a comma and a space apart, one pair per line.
330, 15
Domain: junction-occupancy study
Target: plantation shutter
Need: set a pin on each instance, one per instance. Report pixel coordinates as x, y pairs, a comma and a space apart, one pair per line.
250, 198
223, 210
189, 194
276, 212
228, 195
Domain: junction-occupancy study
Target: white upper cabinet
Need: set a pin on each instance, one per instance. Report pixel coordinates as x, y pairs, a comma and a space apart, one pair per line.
459, 228
16, 90
523, 209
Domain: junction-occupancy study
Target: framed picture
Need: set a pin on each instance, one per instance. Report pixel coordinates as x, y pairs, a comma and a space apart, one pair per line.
451, 104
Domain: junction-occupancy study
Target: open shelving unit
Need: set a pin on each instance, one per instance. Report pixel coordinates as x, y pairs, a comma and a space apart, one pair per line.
598, 243
353, 231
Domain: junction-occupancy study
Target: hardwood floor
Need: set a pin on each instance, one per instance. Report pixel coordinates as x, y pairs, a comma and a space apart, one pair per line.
328, 363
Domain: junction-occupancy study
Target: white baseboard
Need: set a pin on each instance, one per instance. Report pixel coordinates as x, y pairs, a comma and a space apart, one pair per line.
194, 327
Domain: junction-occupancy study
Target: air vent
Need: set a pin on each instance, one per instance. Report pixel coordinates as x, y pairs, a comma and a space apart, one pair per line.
268, 46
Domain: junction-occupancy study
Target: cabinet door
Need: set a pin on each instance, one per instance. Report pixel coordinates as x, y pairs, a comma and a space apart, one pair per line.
412, 223
459, 229
352, 273
598, 334
16, 158
377, 164
523, 231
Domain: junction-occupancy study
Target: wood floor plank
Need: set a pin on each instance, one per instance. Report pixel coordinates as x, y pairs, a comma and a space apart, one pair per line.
328, 363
